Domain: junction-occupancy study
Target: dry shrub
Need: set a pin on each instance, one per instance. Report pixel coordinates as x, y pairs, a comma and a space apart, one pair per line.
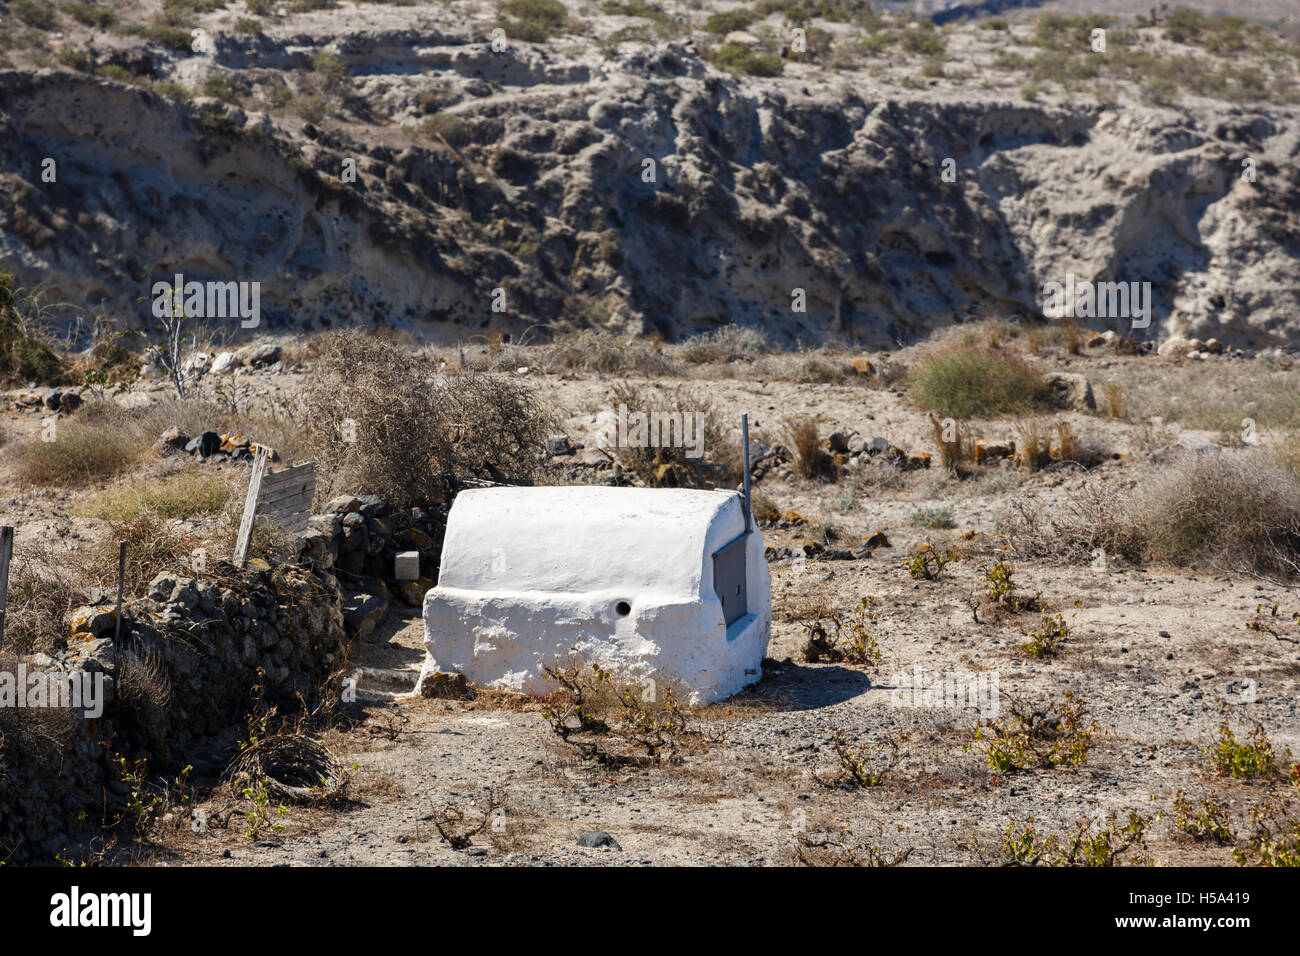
811, 458
144, 688
1033, 443
1227, 511
415, 428
1112, 400
42, 591
730, 343
1286, 452
956, 442
1234, 512
604, 352
153, 545
720, 463
32, 737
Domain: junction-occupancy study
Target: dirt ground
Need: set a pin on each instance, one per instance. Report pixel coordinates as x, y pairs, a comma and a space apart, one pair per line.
1154, 652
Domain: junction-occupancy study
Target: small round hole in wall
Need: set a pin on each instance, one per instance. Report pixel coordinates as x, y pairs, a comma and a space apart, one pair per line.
623, 608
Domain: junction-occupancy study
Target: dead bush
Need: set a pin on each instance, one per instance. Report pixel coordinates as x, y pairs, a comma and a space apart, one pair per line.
1225, 511
956, 442
594, 351
709, 459
153, 545
617, 725
79, 454
1228, 511
41, 594
1033, 443
32, 736
414, 427
812, 459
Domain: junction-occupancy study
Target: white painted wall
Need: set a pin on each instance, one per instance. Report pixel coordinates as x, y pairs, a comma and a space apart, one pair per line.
529, 575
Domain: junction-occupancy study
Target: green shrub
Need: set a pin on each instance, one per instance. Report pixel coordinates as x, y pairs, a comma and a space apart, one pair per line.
968, 382
726, 22
41, 16
924, 40
535, 20
936, 519
222, 87
740, 59
90, 15
248, 25
449, 126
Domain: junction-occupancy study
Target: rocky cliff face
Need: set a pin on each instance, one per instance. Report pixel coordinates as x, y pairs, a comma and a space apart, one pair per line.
643, 192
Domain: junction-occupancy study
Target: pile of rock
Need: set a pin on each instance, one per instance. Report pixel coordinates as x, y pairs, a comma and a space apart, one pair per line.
359, 537
199, 363
59, 401
212, 447
189, 653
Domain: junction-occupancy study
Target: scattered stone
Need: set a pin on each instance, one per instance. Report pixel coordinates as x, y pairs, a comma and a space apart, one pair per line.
598, 838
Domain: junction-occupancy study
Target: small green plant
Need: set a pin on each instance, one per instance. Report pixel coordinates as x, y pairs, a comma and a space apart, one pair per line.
1209, 821
1274, 839
1091, 843
1045, 641
926, 563
835, 637
261, 817
1000, 582
1038, 737
616, 725
1246, 759
865, 766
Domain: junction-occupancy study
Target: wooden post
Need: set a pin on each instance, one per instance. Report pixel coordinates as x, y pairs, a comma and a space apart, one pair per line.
6, 551
121, 586
250, 509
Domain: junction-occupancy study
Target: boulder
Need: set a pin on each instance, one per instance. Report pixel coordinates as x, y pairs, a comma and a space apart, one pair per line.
173, 439
362, 613
265, 355
225, 362
1072, 391
205, 446
1175, 347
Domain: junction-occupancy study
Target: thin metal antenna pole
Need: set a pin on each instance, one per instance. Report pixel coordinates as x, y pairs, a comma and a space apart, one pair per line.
744, 445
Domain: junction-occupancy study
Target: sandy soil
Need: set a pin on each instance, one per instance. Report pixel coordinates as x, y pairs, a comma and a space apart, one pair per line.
1154, 652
